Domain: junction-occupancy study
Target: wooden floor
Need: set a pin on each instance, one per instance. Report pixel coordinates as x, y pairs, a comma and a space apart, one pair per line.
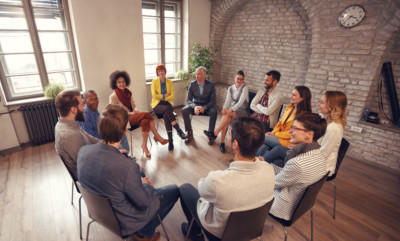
35, 195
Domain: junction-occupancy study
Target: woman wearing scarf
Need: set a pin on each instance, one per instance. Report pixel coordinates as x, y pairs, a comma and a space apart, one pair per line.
236, 103
119, 80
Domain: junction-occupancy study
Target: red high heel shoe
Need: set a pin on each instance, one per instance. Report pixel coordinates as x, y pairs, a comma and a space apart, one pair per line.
162, 140
146, 152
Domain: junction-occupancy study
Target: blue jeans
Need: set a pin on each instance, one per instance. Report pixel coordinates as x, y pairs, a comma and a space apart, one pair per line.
168, 196
276, 155
189, 198
269, 143
124, 143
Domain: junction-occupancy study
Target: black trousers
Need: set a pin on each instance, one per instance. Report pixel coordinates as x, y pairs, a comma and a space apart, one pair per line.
167, 110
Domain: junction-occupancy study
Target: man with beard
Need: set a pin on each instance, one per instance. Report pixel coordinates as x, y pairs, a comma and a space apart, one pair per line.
68, 134
267, 102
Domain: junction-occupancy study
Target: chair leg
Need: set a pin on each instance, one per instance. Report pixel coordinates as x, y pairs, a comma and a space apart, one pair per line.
312, 234
162, 225
131, 144
72, 193
88, 227
284, 230
80, 217
190, 228
334, 199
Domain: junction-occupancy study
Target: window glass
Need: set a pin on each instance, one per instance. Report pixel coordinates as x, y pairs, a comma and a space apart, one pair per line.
12, 18
15, 42
26, 67
54, 41
19, 64
161, 36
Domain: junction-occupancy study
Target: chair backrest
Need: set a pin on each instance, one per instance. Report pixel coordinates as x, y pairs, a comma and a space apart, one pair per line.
308, 199
246, 225
100, 210
74, 178
251, 97
344, 146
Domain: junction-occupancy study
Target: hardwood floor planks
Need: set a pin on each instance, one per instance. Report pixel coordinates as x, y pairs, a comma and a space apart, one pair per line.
35, 194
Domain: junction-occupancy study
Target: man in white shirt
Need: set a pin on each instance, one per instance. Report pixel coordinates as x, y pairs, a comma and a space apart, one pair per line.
226, 191
267, 103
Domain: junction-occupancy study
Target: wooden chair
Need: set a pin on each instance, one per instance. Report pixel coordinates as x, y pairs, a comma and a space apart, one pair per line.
305, 204
344, 146
244, 225
74, 183
101, 211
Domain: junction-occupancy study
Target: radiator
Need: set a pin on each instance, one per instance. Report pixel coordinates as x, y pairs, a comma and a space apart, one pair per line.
40, 120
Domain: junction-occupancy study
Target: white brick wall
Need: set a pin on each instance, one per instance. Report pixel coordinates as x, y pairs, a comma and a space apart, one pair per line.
303, 41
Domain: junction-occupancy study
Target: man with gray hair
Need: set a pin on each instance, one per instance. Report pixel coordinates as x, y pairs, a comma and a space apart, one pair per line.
200, 101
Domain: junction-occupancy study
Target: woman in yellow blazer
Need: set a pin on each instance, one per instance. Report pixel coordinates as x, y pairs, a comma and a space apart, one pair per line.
300, 102
163, 94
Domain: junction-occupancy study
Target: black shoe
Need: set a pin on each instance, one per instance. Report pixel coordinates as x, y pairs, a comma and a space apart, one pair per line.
181, 134
210, 135
185, 228
222, 147
170, 146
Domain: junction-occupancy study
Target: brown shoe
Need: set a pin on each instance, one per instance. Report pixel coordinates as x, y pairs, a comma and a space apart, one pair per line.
155, 237
189, 137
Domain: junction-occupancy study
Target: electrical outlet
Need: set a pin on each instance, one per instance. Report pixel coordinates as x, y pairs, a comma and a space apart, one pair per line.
356, 129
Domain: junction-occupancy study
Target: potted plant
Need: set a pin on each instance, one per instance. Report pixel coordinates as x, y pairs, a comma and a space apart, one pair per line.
202, 56
51, 90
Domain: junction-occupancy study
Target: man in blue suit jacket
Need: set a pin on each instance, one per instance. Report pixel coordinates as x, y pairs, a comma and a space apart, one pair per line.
200, 100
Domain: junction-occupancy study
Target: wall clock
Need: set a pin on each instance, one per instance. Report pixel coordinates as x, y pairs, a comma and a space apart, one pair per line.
351, 16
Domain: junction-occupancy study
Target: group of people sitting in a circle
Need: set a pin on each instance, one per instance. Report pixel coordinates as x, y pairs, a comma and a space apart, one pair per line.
282, 161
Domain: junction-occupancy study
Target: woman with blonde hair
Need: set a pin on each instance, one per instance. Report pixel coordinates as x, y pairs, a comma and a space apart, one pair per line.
333, 107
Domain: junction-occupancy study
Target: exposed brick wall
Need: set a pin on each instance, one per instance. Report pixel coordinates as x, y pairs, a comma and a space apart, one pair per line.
303, 41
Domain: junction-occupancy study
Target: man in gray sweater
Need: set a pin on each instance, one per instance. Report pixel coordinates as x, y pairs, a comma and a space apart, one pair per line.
69, 136
226, 191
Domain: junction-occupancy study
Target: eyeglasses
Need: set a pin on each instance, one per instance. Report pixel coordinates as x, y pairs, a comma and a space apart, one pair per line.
293, 128
240, 78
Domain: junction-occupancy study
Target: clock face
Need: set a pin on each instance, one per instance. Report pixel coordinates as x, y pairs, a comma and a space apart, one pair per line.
351, 16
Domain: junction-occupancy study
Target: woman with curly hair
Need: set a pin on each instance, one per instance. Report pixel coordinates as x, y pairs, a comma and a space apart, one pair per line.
119, 80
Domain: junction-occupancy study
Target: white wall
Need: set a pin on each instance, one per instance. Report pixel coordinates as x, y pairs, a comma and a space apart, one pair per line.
108, 35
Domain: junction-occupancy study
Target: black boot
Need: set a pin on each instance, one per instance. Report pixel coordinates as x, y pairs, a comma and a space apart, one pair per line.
170, 141
181, 134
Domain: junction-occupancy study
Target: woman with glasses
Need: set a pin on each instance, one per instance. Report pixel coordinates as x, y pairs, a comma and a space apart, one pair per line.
333, 107
236, 103
300, 102
305, 164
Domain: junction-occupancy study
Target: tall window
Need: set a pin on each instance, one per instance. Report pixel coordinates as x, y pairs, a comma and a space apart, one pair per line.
162, 35
36, 47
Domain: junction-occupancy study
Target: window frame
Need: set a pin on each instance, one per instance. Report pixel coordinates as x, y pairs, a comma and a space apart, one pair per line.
161, 18
37, 51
